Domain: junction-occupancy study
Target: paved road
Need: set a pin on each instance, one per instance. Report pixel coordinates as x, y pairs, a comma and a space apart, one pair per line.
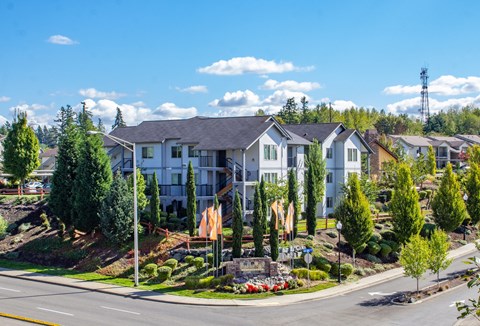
370, 306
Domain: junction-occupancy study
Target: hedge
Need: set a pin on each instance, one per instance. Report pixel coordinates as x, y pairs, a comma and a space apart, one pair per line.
172, 263
151, 269
164, 273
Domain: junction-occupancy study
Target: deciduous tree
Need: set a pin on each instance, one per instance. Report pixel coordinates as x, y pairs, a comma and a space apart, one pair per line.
414, 257
438, 246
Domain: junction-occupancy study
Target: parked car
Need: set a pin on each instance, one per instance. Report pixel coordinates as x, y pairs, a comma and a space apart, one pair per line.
33, 185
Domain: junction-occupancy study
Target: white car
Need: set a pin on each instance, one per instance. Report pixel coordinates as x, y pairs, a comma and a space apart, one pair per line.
33, 185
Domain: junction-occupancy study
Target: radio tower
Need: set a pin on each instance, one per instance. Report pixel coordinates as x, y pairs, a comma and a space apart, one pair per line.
425, 109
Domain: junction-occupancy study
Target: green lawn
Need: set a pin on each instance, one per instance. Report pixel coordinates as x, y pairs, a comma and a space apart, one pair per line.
161, 288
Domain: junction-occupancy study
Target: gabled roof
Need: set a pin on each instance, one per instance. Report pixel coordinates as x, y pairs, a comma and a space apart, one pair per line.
413, 141
311, 131
475, 139
297, 140
203, 132
49, 152
376, 141
347, 133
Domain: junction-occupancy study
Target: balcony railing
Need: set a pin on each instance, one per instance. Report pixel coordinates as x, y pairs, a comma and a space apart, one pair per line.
205, 161
181, 190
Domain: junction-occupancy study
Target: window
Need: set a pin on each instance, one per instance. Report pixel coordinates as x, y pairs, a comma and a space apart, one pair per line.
329, 177
192, 152
329, 202
197, 178
176, 151
329, 152
270, 177
270, 152
176, 179
147, 152
352, 154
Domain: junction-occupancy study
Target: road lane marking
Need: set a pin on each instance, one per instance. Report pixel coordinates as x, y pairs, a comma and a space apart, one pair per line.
7, 289
121, 310
381, 293
30, 320
55, 311
454, 303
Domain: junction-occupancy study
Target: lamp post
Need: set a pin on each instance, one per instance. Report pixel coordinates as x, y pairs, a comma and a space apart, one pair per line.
339, 228
131, 147
465, 198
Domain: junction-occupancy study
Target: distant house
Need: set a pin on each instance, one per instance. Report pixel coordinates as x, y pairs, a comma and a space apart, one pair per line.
381, 154
48, 159
471, 139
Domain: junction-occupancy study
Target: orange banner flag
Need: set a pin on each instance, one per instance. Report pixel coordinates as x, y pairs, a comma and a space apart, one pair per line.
219, 220
202, 228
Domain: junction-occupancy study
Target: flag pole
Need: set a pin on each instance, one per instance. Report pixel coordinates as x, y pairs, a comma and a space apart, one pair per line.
206, 245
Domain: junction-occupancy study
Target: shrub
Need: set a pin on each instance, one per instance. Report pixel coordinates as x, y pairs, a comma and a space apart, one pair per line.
346, 269
385, 250
189, 259
332, 234
300, 272
151, 269
198, 262
309, 237
361, 248
378, 226
24, 227
210, 259
11, 227
164, 273
372, 258
427, 230
198, 282
3, 226
322, 264
172, 263
376, 237
388, 194
422, 195
61, 229
388, 235
318, 275
360, 272
329, 245
300, 283
373, 248
379, 206
392, 244
429, 193
223, 280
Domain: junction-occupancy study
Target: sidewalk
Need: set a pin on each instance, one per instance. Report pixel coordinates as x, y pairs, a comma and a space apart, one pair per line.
272, 301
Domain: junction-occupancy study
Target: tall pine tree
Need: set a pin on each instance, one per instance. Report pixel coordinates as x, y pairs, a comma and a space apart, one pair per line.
293, 198
448, 206
119, 122
315, 184
155, 202
273, 237
63, 179
237, 227
263, 196
354, 213
94, 176
20, 149
116, 214
405, 207
257, 222
191, 200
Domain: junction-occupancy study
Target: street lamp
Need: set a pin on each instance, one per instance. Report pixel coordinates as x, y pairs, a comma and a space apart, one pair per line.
339, 228
465, 198
131, 147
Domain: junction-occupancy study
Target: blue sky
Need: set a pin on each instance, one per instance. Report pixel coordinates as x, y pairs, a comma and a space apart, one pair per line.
177, 59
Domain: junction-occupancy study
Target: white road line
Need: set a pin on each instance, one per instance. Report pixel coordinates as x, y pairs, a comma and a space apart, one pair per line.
121, 310
55, 311
454, 303
7, 289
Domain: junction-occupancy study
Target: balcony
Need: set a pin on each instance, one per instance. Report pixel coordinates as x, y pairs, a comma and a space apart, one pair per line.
181, 190
292, 162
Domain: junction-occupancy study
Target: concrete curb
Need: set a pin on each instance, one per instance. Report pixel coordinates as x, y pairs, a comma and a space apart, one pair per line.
172, 299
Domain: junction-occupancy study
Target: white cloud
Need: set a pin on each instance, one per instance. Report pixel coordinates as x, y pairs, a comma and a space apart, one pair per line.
243, 65
193, 89
61, 39
444, 85
4, 99
2, 120
342, 105
412, 105
171, 111
279, 98
291, 85
36, 114
238, 98
93, 93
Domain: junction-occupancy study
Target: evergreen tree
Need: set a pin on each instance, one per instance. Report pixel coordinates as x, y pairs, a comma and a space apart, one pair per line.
39, 134
472, 186
94, 176
63, 180
116, 214
431, 163
154, 201
21, 148
437, 259
273, 238
293, 198
414, 257
237, 227
191, 200
263, 196
473, 154
119, 122
289, 113
448, 206
257, 222
142, 200
405, 207
315, 184
354, 213
100, 125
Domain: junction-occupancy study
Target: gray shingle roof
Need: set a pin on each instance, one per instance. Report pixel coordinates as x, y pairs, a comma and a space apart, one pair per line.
470, 138
311, 131
413, 140
297, 140
206, 133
